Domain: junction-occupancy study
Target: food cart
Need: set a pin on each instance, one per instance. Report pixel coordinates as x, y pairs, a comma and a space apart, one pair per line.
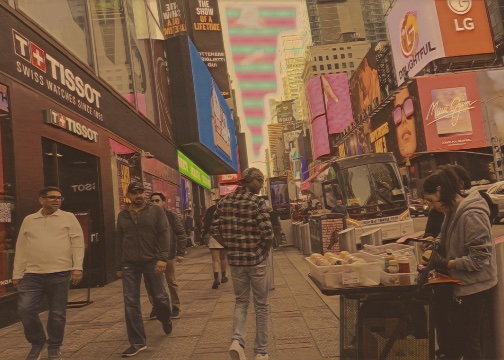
379, 321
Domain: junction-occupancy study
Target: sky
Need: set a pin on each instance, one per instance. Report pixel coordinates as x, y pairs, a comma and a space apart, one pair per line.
251, 31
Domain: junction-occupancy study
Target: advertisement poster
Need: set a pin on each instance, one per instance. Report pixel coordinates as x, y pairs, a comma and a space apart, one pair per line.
229, 178
279, 194
285, 112
173, 18
329, 96
365, 87
491, 90
161, 79
206, 30
221, 132
290, 138
320, 139
215, 122
415, 36
464, 27
452, 112
227, 189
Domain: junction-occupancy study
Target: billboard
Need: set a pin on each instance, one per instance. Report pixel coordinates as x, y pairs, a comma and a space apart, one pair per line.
422, 31
415, 36
285, 112
173, 18
215, 122
229, 178
365, 87
279, 194
290, 137
206, 30
330, 109
465, 27
452, 113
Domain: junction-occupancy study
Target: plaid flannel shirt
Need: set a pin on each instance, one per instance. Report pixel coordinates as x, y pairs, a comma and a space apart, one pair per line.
243, 222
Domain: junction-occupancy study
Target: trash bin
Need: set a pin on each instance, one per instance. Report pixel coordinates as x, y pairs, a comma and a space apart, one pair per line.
294, 234
305, 236
371, 238
347, 240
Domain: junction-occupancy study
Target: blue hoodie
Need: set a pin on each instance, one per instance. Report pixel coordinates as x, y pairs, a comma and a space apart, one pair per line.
466, 236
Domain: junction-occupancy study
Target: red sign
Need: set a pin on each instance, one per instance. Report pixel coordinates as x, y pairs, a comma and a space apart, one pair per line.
451, 111
229, 178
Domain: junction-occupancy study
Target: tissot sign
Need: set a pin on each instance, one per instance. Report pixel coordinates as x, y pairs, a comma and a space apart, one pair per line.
72, 126
422, 31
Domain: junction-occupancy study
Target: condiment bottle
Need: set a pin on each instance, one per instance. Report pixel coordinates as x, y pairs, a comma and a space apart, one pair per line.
393, 268
388, 257
404, 268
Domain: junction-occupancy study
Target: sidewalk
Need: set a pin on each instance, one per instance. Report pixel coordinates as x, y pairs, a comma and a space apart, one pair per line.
304, 324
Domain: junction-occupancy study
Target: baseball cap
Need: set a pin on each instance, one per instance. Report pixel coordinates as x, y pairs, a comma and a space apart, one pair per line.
135, 186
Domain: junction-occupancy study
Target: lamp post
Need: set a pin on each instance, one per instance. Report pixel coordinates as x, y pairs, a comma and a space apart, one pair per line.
496, 141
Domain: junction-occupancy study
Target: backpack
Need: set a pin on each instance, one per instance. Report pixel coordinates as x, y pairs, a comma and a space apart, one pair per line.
494, 208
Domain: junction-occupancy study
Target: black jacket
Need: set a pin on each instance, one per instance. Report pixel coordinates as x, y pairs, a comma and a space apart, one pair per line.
145, 241
178, 247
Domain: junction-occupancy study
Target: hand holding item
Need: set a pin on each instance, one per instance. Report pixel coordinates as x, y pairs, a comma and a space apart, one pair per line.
180, 259
160, 267
76, 276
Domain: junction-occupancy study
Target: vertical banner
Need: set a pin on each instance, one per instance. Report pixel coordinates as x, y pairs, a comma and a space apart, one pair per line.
173, 20
206, 32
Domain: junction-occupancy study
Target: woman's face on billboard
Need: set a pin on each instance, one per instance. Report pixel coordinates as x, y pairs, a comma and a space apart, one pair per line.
404, 120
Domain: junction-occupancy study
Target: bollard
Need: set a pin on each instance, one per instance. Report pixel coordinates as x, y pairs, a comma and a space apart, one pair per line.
371, 238
347, 240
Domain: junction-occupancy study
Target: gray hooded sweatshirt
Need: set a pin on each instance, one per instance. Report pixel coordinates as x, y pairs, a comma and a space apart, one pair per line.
467, 237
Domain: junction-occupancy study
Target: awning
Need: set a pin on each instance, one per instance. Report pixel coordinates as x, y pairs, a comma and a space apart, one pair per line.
308, 181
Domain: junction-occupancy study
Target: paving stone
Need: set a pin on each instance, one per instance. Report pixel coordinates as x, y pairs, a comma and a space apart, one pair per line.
309, 301
290, 328
280, 292
299, 354
100, 350
179, 348
219, 331
320, 317
224, 310
283, 304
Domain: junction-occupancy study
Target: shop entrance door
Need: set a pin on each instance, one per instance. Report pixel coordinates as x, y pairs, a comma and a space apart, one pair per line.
77, 174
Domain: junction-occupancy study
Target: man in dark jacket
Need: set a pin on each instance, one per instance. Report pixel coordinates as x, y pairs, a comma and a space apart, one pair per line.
177, 252
143, 236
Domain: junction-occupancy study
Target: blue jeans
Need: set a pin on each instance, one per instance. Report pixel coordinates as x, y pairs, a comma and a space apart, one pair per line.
132, 276
245, 278
32, 289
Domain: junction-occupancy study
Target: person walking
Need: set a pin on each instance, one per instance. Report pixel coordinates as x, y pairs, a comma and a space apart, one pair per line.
219, 258
177, 252
144, 236
49, 255
189, 227
277, 227
241, 224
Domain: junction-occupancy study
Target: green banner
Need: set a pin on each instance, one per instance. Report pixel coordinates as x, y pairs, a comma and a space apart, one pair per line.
193, 172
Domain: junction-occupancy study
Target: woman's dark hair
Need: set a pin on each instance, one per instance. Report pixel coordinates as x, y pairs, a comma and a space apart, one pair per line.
462, 174
448, 182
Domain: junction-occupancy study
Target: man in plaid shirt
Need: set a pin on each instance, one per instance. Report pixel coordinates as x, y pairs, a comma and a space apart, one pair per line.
242, 225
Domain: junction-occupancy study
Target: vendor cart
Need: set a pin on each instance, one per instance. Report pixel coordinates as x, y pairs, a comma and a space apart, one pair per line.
385, 322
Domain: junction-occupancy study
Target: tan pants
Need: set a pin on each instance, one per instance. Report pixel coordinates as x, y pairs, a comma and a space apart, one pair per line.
172, 285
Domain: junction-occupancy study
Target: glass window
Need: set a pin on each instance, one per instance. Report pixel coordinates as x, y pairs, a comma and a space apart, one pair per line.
327, 57
112, 46
66, 21
335, 57
322, 67
336, 66
342, 56
320, 58
314, 68
314, 58
343, 65
351, 64
329, 67
350, 55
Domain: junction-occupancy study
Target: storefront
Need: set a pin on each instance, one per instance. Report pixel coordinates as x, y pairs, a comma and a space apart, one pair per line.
61, 125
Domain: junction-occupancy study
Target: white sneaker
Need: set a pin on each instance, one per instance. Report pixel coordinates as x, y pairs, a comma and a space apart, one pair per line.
236, 352
261, 357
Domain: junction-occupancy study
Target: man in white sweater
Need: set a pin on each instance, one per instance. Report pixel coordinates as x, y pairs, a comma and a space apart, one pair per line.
49, 255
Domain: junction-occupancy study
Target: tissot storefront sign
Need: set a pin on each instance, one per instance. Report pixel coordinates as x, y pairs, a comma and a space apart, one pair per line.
72, 126
32, 60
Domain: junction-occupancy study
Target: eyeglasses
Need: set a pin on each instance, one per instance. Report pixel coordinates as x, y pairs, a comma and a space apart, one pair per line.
54, 197
155, 201
407, 106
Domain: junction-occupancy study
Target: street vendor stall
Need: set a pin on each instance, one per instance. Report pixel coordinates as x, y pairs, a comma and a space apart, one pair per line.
384, 315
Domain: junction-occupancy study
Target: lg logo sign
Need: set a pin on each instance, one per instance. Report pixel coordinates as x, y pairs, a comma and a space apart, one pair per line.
462, 7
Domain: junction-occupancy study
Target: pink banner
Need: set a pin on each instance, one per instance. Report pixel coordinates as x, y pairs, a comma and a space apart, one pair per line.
320, 138
227, 189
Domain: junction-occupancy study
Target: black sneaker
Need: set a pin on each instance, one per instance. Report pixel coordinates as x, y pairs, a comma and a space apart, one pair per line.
215, 284
175, 313
54, 354
152, 315
224, 280
167, 327
133, 350
35, 352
